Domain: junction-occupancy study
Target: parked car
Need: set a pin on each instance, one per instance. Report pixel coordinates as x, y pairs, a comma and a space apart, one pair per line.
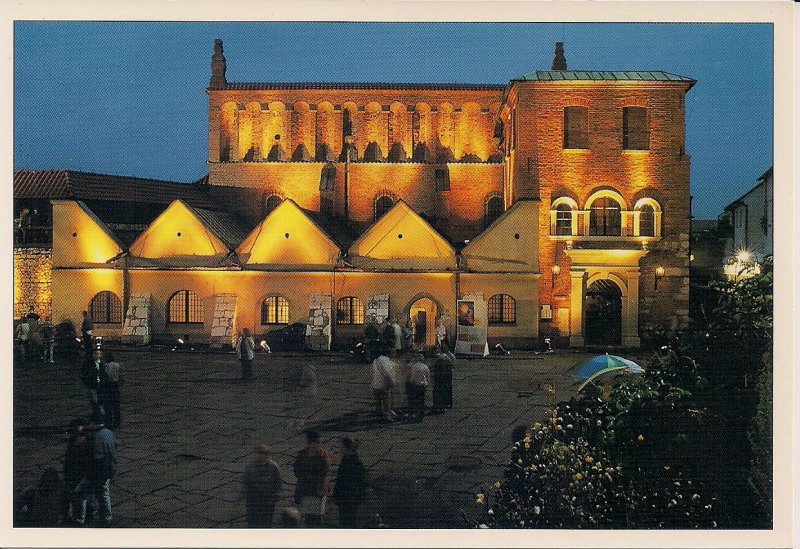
288, 338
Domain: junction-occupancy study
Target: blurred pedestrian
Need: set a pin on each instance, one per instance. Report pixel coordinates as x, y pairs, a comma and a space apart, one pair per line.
443, 379
109, 389
77, 461
398, 336
441, 333
245, 352
262, 486
418, 380
351, 484
22, 333
86, 333
383, 382
311, 469
48, 333
102, 470
40, 505
92, 376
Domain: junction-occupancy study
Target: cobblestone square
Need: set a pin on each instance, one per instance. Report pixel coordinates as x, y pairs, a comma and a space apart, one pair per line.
189, 426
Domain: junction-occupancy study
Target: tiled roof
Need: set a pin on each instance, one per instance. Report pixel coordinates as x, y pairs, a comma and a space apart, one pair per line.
605, 76
222, 225
357, 86
93, 186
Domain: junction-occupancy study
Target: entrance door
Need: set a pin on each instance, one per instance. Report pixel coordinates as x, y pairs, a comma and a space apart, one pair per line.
423, 314
421, 325
603, 307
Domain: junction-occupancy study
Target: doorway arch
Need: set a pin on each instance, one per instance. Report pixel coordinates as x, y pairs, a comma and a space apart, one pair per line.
423, 312
603, 313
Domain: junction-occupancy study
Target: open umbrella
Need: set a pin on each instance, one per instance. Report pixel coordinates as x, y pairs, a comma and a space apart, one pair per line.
603, 364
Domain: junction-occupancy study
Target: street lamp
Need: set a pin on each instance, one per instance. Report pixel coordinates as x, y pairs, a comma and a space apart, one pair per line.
348, 142
556, 271
660, 272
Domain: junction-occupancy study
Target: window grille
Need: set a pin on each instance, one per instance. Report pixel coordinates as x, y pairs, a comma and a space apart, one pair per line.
105, 308
349, 310
275, 310
185, 307
502, 309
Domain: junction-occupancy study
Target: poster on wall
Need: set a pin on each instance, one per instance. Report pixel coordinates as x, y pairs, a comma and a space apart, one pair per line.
471, 323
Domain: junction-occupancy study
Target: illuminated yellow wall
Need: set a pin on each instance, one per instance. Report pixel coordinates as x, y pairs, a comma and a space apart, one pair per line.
177, 232
32, 281
73, 289
510, 244
402, 240
286, 238
79, 238
524, 289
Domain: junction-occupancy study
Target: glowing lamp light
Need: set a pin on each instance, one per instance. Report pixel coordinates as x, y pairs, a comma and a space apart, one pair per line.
744, 256
556, 270
660, 272
264, 346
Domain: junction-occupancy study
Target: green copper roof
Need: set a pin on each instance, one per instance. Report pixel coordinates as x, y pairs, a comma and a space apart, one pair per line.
605, 76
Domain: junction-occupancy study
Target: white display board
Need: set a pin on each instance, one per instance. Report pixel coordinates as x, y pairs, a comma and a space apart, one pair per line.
471, 321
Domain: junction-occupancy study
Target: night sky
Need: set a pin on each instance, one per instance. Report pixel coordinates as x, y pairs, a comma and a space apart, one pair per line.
128, 98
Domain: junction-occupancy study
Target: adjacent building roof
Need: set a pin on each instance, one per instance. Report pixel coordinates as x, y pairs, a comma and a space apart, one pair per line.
74, 185
358, 86
604, 76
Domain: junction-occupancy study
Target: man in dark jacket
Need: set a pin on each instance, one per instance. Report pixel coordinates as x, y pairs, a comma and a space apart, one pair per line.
351, 484
311, 469
262, 485
92, 376
86, 332
103, 469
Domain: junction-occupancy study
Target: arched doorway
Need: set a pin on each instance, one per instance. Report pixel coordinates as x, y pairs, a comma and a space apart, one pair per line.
423, 313
603, 309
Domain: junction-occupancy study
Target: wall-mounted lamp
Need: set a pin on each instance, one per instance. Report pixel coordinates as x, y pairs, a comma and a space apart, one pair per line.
556, 271
660, 272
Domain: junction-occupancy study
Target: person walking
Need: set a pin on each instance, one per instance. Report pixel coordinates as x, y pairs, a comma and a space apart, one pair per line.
383, 381
262, 484
77, 460
92, 376
86, 333
398, 336
311, 469
109, 389
418, 380
245, 352
441, 333
23, 332
39, 505
102, 470
351, 484
443, 379
48, 333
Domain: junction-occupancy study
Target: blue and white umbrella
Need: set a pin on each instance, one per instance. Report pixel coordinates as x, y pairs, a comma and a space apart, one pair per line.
604, 364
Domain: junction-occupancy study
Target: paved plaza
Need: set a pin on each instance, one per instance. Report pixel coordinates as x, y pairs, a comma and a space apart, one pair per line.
189, 426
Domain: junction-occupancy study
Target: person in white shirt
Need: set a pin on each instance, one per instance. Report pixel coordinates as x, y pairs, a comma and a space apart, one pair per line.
383, 381
418, 380
245, 352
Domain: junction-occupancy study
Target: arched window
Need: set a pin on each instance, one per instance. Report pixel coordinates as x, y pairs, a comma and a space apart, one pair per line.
349, 310
563, 220
105, 308
605, 217
383, 204
275, 310
493, 209
272, 202
647, 221
502, 309
184, 307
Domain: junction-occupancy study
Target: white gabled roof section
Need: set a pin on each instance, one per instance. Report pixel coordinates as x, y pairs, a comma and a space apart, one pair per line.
287, 237
80, 237
510, 244
402, 240
178, 233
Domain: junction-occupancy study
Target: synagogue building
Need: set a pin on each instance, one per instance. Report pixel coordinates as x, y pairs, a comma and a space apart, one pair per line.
559, 200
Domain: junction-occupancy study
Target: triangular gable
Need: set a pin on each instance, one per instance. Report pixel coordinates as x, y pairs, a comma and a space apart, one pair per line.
179, 232
287, 237
80, 237
401, 239
510, 244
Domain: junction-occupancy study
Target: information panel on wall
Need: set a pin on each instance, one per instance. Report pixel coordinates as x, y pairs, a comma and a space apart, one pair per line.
472, 316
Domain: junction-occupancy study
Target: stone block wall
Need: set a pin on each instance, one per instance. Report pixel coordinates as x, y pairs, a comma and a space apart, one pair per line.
136, 328
32, 281
318, 329
223, 327
377, 308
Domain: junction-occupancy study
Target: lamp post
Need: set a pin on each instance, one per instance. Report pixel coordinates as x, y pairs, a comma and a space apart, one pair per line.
660, 272
348, 142
556, 271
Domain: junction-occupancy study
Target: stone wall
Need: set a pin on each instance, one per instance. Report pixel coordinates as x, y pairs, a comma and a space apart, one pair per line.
136, 328
223, 327
32, 281
318, 329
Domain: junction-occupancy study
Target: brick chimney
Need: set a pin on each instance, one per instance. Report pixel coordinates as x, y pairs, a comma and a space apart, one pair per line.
559, 61
218, 81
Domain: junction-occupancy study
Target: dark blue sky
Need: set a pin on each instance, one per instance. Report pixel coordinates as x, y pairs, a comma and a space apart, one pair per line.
128, 98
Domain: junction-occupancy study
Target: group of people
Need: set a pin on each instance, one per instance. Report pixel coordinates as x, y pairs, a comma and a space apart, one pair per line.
101, 377
35, 341
417, 377
90, 463
262, 485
